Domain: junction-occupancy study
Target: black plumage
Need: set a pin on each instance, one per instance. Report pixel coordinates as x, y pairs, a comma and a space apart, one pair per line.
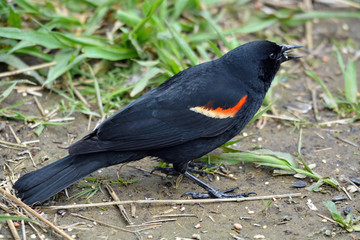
187, 116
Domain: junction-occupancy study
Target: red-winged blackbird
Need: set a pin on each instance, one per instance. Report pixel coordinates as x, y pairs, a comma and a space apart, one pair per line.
186, 117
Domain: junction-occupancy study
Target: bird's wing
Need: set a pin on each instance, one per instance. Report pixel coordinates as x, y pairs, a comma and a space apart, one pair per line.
166, 117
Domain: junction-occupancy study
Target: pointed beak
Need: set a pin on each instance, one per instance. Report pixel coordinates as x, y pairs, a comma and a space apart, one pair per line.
285, 50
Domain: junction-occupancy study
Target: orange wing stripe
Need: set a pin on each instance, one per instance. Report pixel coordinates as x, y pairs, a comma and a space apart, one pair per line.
231, 111
220, 112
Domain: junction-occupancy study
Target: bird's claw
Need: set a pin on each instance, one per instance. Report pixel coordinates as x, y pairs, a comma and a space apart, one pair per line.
166, 170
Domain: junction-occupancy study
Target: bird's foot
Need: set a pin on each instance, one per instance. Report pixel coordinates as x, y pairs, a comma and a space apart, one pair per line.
218, 194
192, 167
166, 170
212, 192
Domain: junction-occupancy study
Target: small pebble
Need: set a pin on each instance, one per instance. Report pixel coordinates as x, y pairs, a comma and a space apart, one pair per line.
347, 210
356, 181
251, 212
311, 205
196, 236
33, 236
324, 220
150, 237
259, 236
351, 189
1, 236
238, 226
266, 183
197, 226
61, 212
299, 184
338, 198
264, 227
182, 209
299, 107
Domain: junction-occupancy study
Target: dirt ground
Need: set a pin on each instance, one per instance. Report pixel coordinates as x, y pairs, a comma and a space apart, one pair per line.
322, 145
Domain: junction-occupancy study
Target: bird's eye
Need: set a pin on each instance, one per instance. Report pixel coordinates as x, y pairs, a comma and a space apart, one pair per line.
272, 55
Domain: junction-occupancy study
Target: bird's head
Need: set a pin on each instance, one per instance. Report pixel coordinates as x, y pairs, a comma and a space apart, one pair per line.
262, 58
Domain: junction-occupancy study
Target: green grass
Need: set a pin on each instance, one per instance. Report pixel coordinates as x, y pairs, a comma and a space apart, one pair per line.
348, 223
347, 100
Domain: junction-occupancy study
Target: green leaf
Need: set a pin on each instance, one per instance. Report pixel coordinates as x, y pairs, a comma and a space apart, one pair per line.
144, 81
63, 64
215, 49
44, 39
109, 53
128, 17
206, 15
306, 16
5, 218
141, 24
7, 92
19, 64
183, 45
330, 100
351, 90
14, 19
178, 9
94, 21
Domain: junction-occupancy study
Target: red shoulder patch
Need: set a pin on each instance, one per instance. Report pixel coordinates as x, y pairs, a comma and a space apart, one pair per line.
219, 112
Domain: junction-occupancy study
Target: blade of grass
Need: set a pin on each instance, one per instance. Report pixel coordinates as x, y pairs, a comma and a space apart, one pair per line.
330, 101
44, 39
110, 53
64, 63
19, 64
215, 49
183, 45
140, 86
7, 92
207, 16
351, 90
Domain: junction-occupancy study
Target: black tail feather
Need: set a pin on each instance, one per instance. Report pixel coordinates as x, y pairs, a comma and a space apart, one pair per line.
40, 185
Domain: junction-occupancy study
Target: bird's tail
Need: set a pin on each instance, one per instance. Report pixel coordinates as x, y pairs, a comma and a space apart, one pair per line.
40, 185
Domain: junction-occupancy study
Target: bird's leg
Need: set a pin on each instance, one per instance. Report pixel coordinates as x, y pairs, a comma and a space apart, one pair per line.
166, 170
212, 192
193, 167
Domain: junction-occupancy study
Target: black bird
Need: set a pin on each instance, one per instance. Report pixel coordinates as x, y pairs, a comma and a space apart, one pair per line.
186, 117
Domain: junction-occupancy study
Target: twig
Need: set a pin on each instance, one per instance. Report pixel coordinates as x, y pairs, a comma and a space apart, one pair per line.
346, 192
281, 117
30, 210
82, 99
314, 102
160, 221
102, 223
176, 215
349, 181
325, 217
14, 134
185, 201
308, 25
340, 121
347, 141
12, 228
13, 144
32, 68
38, 104
121, 207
